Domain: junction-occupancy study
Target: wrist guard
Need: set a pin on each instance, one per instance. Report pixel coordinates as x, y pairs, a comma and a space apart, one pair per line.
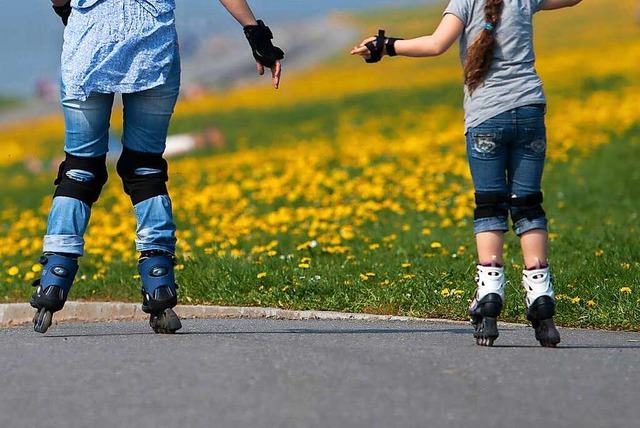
259, 37
63, 12
381, 44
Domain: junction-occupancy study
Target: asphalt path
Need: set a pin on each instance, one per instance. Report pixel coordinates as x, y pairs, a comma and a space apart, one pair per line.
318, 373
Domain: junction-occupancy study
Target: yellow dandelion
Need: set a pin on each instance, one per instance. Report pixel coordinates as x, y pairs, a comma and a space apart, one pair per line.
599, 253
272, 253
426, 232
445, 292
625, 266
370, 274
285, 288
13, 270
261, 275
408, 276
625, 290
36, 267
303, 265
458, 292
436, 244
591, 304
374, 246
575, 300
406, 264
364, 277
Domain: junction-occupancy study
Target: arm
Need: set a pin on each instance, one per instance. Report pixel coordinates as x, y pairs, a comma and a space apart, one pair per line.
558, 4
439, 42
241, 11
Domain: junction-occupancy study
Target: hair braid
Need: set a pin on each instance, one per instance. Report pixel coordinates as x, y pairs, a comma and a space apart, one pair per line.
480, 52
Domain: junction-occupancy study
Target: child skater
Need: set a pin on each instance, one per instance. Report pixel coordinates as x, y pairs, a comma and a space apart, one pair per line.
130, 47
506, 145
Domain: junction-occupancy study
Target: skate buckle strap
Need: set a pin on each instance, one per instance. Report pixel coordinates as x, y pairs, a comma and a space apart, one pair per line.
490, 280
58, 271
157, 271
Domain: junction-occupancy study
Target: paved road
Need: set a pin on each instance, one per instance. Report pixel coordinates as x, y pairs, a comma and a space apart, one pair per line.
270, 373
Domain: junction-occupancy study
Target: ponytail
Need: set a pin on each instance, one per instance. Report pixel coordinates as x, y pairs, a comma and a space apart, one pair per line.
480, 52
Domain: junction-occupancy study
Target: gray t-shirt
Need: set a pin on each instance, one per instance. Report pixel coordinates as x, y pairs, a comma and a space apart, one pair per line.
512, 80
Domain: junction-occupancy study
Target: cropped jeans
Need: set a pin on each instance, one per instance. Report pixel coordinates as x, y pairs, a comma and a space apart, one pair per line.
146, 120
506, 156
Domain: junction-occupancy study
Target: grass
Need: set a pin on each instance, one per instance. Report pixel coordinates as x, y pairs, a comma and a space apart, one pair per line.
348, 190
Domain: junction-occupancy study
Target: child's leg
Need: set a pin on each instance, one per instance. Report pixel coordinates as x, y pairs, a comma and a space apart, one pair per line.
144, 173
487, 147
79, 183
526, 164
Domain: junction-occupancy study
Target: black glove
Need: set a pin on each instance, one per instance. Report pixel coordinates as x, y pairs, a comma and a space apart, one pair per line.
63, 11
259, 37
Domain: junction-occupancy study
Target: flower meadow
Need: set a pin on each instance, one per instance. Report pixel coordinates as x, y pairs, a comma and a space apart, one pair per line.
348, 189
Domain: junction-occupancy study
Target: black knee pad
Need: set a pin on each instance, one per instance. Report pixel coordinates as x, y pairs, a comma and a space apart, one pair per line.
529, 207
141, 187
491, 204
81, 178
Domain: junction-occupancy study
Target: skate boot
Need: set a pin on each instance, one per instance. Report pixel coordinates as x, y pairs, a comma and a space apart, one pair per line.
487, 304
52, 288
159, 293
541, 305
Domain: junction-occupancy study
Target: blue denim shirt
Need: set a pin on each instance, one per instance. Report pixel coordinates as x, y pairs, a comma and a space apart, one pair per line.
117, 46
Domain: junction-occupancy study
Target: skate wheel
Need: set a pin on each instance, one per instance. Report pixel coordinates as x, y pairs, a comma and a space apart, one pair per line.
547, 333
42, 320
486, 331
166, 322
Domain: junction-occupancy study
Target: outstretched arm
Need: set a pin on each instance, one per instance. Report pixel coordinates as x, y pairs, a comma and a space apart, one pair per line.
558, 4
439, 42
256, 33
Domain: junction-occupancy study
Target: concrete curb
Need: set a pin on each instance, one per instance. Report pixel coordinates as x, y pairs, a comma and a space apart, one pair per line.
16, 314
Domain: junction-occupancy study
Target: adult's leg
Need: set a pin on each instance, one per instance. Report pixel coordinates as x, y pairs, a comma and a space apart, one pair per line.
79, 183
144, 174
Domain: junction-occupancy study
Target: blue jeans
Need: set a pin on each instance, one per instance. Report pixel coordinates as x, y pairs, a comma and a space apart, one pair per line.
506, 156
146, 120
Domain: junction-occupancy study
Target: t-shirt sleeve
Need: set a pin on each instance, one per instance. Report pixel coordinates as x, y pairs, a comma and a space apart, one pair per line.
460, 8
536, 5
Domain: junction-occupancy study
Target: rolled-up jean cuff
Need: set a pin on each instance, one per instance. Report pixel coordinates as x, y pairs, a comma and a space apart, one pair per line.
490, 224
69, 244
524, 225
140, 247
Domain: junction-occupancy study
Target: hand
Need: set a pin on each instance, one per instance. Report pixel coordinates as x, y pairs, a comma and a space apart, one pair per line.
276, 71
264, 52
362, 49
374, 48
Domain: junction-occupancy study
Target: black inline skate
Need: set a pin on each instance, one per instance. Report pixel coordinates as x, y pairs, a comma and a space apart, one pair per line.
487, 304
52, 288
541, 305
159, 290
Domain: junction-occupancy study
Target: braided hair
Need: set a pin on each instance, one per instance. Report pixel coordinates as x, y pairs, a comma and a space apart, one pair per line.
480, 52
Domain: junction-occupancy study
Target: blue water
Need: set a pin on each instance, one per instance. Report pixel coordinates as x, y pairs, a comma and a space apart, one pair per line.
31, 33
